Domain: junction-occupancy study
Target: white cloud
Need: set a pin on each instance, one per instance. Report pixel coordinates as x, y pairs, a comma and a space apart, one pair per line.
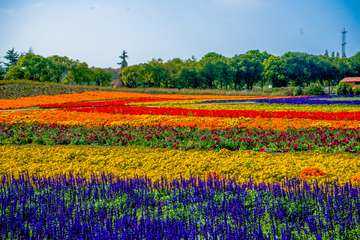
37, 5
6, 10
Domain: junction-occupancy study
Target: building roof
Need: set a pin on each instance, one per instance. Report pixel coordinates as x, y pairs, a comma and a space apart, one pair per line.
114, 82
351, 79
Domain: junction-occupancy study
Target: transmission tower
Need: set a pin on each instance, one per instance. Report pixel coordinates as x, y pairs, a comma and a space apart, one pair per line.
343, 43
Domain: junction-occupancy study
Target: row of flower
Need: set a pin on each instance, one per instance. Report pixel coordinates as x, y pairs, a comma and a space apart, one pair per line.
154, 163
98, 96
72, 207
95, 119
184, 138
140, 110
309, 100
201, 104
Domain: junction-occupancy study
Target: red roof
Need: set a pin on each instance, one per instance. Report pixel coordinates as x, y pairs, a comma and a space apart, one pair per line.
114, 82
351, 79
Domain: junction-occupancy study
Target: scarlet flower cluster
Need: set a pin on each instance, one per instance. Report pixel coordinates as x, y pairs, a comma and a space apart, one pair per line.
312, 172
141, 110
213, 175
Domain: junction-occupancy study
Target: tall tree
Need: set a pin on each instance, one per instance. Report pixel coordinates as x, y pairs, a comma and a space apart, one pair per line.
2, 70
12, 57
99, 76
123, 64
209, 71
326, 53
35, 67
78, 72
225, 73
59, 67
133, 76
274, 71
189, 78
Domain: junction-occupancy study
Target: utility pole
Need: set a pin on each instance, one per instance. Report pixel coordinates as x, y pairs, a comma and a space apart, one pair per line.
343, 43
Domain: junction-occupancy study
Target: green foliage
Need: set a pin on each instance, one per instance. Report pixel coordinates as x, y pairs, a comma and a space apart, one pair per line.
315, 89
14, 72
99, 76
189, 78
298, 91
78, 72
274, 71
357, 91
133, 76
344, 89
12, 57
58, 67
123, 57
35, 67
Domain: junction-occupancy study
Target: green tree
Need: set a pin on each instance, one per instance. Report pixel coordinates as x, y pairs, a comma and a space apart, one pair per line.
355, 64
189, 78
344, 89
2, 70
315, 89
209, 71
78, 72
123, 64
170, 70
133, 76
59, 67
12, 57
157, 72
99, 76
14, 73
275, 71
333, 54
225, 72
35, 67
326, 53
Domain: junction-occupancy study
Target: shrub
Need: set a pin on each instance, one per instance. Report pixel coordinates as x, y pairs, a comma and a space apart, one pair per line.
315, 89
357, 91
298, 91
344, 89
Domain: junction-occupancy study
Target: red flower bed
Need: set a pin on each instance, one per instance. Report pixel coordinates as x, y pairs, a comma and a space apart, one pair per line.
140, 110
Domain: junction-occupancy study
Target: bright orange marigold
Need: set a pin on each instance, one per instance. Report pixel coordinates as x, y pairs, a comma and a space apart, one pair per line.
213, 175
312, 172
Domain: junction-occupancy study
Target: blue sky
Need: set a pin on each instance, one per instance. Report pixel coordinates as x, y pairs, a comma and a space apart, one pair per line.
96, 32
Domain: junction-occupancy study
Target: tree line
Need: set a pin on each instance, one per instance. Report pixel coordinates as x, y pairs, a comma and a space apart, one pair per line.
53, 69
244, 71
214, 71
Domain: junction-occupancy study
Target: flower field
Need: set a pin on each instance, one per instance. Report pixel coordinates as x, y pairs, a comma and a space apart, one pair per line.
114, 165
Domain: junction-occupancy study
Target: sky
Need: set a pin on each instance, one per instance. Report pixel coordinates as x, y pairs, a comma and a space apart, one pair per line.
97, 31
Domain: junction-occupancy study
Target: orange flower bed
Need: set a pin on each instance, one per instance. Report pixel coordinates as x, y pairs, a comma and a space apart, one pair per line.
315, 172
97, 96
104, 119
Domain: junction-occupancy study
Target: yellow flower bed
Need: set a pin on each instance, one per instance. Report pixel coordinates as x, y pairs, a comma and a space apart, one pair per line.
128, 162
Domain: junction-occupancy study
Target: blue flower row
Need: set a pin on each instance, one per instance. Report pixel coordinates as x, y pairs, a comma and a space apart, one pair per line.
308, 100
107, 207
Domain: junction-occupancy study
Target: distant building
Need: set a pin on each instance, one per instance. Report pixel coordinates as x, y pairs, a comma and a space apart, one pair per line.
353, 81
113, 83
